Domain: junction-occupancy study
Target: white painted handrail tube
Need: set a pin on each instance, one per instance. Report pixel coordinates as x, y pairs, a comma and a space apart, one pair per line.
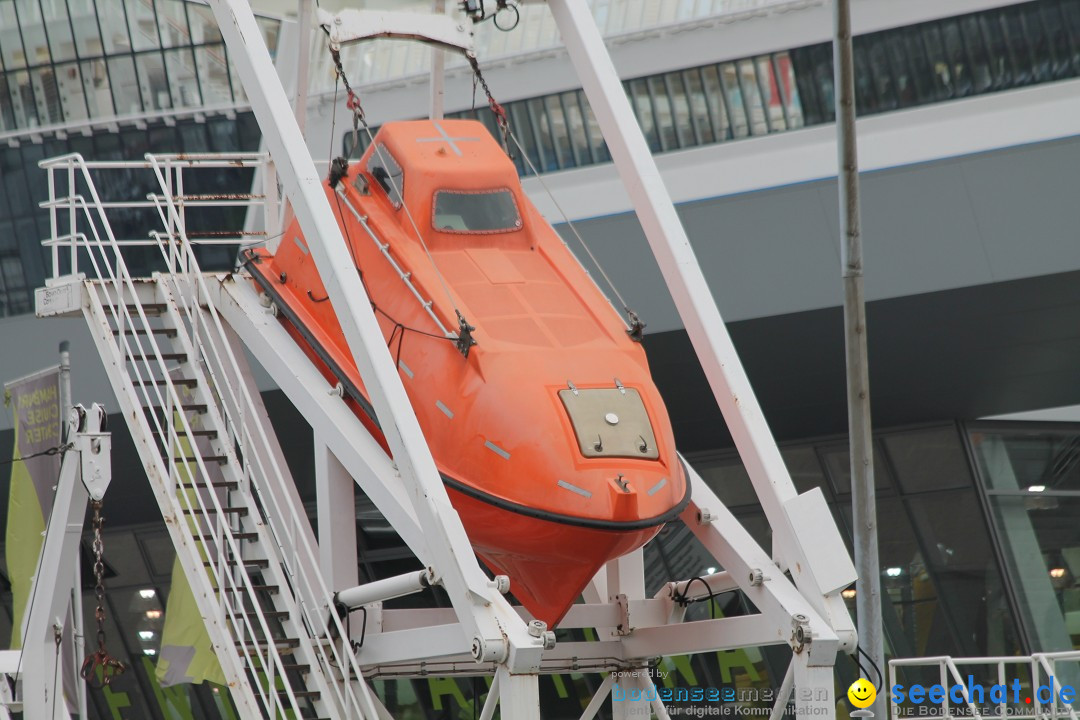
382, 590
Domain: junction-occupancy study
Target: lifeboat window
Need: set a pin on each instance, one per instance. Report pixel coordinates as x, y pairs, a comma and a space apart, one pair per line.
479, 211
387, 173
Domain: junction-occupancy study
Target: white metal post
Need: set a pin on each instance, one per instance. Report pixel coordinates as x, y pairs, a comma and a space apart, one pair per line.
76, 608
42, 665
438, 71
472, 595
303, 61
336, 505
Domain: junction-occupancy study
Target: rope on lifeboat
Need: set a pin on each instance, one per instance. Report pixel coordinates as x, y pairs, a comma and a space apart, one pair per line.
464, 339
635, 326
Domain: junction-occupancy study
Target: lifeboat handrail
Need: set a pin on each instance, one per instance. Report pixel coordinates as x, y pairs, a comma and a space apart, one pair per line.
405, 277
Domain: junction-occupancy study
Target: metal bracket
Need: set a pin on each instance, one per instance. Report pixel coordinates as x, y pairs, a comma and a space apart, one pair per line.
801, 634
352, 26
623, 604
538, 629
95, 454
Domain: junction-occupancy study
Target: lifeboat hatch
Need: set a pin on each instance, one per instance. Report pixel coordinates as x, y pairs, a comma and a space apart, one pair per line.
610, 422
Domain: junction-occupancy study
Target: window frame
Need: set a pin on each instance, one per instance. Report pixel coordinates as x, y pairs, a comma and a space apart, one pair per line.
489, 191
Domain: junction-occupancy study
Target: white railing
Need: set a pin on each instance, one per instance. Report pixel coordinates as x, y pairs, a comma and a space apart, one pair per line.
260, 467
1020, 698
82, 241
385, 62
114, 296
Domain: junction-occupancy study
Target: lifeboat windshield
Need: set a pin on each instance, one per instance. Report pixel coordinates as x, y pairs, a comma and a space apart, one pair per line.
476, 211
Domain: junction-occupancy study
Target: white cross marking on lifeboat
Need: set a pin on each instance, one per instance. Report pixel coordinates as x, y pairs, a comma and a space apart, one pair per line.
452, 141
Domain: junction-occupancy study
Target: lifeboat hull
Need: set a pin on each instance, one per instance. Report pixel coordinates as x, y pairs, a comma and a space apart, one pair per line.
552, 441
546, 559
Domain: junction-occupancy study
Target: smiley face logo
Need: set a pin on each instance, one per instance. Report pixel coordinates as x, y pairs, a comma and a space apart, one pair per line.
861, 693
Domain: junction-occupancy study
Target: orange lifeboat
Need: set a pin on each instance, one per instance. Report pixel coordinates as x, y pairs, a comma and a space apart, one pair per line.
550, 436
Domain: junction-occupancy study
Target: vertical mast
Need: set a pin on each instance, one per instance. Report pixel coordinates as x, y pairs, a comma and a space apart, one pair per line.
438, 71
863, 501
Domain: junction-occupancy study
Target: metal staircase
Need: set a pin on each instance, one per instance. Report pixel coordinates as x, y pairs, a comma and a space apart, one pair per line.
220, 479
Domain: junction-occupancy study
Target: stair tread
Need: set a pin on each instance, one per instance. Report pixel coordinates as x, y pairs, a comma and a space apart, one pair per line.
194, 407
235, 535
278, 642
167, 356
182, 433
226, 484
220, 459
256, 588
227, 510
302, 668
300, 693
166, 331
245, 563
156, 308
183, 382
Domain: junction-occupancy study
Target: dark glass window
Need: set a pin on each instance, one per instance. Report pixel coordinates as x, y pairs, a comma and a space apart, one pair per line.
523, 131
866, 91
575, 123
905, 87
1039, 41
940, 64
1071, 13
700, 119
642, 104
387, 173
483, 211
1012, 24
680, 109
976, 47
1061, 45
127, 96
733, 95
802, 61
959, 68
1001, 61
717, 105
542, 131
592, 128
662, 109
564, 154
771, 102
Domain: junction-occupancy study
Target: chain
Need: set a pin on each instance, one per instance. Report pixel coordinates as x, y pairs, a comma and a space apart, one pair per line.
500, 112
352, 100
109, 666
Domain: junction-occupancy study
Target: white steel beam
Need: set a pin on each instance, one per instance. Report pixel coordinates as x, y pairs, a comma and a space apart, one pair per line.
335, 499
55, 580
598, 699
518, 694
685, 281
764, 584
331, 420
505, 638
